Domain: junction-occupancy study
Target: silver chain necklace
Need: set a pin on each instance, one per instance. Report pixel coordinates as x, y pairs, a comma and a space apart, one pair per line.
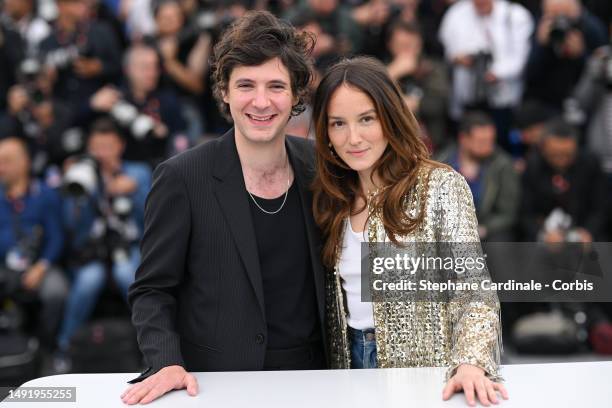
284, 199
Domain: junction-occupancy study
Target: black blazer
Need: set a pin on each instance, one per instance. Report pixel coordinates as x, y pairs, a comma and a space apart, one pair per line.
198, 299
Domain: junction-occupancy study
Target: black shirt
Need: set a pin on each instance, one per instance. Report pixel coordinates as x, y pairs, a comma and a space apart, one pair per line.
287, 277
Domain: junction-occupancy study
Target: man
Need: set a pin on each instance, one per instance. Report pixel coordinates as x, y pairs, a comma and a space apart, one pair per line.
31, 237
230, 277
565, 197
81, 55
567, 34
21, 15
529, 122
487, 42
11, 55
335, 19
115, 202
423, 80
158, 108
594, 96
490, 174
43, 121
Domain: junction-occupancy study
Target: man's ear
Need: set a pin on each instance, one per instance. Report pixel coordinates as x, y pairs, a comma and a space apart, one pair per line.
225, 97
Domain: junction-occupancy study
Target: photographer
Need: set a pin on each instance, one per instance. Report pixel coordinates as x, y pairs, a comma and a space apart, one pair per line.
31, 237
490, 175
564, 190
80, 55
39, 119
336, 19
11, 54
423, 80
103, 213
594, 96
150, 117
566, 36
487, 43
184, 51
21, 15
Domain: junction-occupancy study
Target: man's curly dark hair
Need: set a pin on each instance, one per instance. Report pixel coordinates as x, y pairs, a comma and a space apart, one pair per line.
254, 39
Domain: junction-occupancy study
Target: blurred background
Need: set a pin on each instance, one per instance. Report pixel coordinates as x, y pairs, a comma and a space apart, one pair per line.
515, 95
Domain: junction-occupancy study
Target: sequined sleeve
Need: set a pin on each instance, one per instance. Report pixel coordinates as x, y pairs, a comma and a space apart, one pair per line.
475, 319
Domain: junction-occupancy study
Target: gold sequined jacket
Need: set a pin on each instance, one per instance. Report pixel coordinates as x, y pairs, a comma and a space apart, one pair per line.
426, 334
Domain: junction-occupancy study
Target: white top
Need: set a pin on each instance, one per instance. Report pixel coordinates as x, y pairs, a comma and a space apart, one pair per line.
360, 314
505, 33
34, 31
565, 385
140, 19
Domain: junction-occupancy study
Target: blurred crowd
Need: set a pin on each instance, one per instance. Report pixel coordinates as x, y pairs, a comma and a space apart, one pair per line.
515, 95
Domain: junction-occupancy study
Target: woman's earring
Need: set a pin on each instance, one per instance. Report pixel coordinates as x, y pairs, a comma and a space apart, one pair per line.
331, 149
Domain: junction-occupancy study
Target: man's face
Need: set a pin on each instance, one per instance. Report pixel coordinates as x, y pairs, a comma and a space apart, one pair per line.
73, 9
323, 7
531, 135
260, 100
143, 69
403, 42
18, 8
106, 148
479, 143
559, 152
556, 8
483, 7
14, 162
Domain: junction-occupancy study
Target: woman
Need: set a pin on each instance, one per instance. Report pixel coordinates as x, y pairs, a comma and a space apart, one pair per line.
184, 52
375, 180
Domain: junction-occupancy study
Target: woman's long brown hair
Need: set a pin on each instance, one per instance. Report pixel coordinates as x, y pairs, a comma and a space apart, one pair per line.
336, 186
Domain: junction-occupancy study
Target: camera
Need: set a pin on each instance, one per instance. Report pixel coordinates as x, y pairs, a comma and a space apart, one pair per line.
18, 259
127, 115
122, 231
73, 140
560, 26
62, 58
559, 220
481, 64
82, 178
28, 74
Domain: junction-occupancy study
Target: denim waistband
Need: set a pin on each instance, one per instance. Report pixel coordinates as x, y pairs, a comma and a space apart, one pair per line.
363, 335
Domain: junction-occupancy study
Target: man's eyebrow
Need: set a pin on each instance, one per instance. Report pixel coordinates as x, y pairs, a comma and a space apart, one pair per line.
278, 82
274, 81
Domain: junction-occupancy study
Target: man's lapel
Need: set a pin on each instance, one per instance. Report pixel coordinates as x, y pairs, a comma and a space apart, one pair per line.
231, 194
304, 172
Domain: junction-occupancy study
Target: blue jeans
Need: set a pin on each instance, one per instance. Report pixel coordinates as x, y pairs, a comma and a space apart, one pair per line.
88, 282
363, 348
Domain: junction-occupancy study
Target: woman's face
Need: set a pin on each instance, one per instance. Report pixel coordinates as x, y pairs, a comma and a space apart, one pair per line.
354, 129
